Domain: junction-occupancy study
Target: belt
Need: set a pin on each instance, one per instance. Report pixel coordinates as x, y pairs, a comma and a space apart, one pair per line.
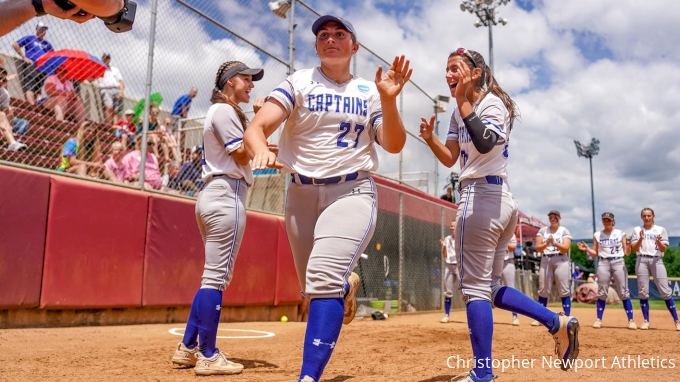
490, 179
611, 258
652, 256
323, 181
553, 254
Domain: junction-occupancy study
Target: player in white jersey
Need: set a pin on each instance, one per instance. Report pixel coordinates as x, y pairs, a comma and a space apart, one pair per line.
650, 242
487, 214
554, 242
221, 215
610, 246
332, 122
451, 274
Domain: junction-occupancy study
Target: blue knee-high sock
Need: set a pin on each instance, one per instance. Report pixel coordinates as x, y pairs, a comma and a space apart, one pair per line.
644, 306
480, 323
566, 305
513, 300
628, 306
600, 308
191, 331
323, 329
208, 312
670, 304
514, 314
543, 301
447, 305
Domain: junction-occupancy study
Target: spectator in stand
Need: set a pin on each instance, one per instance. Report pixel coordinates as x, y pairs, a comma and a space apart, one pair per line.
126, 129
111, 86
59, 96
171, 180
7, 115
182, 106
449, 195
152, 134
115, 163
170, 146
35, 46
132, 161
81, 154
190, 173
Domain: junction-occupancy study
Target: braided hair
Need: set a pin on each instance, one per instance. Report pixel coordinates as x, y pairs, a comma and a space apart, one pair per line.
219, 97
488, 81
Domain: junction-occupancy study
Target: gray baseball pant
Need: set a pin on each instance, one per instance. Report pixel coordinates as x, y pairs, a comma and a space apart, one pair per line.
485, 222
328, 228
451, 275
221, 217
644, 266
554, 268
606, 269
508, 275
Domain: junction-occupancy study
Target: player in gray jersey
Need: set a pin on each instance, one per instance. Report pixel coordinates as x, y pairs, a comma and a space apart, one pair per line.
479, 134
451, 274
220, 214
554, 242
610, 246
509, 270
650, 242
328, 143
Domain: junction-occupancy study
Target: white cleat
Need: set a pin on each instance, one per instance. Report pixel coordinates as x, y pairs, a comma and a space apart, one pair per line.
444, 320
515, 321
631, 325
535, 323
645, 326
597, 324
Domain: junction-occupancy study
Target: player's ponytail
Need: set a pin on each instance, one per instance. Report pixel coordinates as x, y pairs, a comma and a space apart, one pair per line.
488, 82
219, 97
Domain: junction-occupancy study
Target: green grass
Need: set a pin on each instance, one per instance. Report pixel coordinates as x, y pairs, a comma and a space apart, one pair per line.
653, 304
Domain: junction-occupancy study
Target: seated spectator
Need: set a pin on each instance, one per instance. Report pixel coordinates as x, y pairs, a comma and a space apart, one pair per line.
132, 161
170, 146
171, 181
7, 115
126, 129
191, 173
59, 95
152, 134
115, 163
81, 154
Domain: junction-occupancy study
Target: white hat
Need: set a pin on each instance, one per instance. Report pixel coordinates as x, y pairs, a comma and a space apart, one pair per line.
129, 112
197, 148
41, 25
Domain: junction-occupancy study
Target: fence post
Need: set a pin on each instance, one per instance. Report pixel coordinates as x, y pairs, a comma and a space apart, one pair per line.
401, 251
147, 100
444, 264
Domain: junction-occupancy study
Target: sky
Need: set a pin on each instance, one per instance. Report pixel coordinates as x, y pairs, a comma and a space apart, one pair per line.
608, 69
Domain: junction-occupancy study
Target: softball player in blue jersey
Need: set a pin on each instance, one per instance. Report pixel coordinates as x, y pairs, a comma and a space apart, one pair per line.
610, 245
221, 215
487, 214
332, 121
650, 242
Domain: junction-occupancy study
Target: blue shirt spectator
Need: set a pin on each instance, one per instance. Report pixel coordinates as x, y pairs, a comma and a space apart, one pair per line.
35, 47
183, 104
190, 175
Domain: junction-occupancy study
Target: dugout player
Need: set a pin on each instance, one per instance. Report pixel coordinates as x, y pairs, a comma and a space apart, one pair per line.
451, 274
479, 135
221, 215
332, 121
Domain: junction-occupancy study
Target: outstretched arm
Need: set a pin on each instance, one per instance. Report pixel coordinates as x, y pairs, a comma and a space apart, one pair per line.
447, 153
17, 12
266, 121
392, 134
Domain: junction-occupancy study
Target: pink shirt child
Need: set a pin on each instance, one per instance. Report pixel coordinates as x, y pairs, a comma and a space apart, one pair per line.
118, 168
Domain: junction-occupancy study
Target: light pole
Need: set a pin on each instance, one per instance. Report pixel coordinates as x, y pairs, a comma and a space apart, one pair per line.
486, 15
439, 107
589, 152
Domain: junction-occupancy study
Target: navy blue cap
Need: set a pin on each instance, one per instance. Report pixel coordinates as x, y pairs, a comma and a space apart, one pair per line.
324, 19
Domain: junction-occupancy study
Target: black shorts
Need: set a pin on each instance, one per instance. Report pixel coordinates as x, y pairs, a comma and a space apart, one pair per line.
31, 78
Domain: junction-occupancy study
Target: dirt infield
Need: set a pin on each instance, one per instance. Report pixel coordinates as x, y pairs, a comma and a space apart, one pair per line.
407, 348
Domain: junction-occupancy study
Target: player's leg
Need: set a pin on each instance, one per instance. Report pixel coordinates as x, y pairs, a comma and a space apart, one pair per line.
603, 278
449, 275
642, 272
221, 209
660, 275
544, 281
508, 279
562, 281
343, 231
621, 280
301, 213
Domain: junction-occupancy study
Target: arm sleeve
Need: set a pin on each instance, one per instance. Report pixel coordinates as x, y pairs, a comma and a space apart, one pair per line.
285, 94
227, 128
452, 135
487, 129
375, 114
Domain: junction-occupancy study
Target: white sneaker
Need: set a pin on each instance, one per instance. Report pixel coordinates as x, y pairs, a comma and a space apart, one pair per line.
631, 325
597, 324
677, 325
216, 365
566, 341
645, 326
444, 320
515, 321
184, 356
535, 323
16, 146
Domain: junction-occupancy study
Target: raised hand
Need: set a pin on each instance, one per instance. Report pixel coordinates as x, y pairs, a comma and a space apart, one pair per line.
390, 84
464, 82
426, 128
441, 242
582, 246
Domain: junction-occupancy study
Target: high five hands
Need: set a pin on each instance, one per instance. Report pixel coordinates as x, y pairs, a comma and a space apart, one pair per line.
390, 84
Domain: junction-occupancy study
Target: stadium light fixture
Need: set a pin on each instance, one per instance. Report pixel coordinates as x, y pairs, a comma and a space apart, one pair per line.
280, 7
589, 152
486, 16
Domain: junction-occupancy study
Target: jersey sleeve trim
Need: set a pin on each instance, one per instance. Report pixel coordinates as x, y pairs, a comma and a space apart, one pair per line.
288, 95
233, 145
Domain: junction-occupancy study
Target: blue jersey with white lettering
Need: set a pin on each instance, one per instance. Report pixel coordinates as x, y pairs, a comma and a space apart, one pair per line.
331, 127
492, 112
